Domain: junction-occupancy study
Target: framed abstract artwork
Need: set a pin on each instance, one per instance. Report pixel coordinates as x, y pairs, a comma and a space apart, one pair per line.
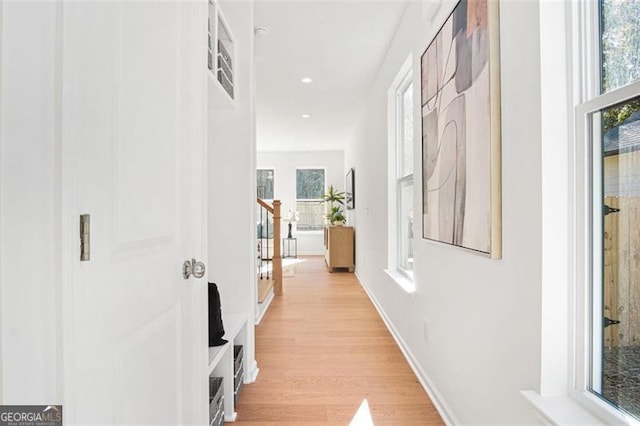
350, 189
461, 155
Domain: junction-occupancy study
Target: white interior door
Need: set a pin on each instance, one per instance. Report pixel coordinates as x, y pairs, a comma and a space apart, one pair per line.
133, 139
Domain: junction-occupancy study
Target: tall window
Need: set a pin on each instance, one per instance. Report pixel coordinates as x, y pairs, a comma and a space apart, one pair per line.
265, 184
401, 172
310, 186
613, 119
404, 177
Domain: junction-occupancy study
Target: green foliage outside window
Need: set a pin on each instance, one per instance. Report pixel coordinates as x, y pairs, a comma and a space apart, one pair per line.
620, 21
265, 184
309, 184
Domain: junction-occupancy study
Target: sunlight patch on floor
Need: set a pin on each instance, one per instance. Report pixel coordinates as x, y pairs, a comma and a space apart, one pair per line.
363, 415
267, 267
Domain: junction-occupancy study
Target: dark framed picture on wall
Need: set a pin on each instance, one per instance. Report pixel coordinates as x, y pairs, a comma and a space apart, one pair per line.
350, 189
461, 155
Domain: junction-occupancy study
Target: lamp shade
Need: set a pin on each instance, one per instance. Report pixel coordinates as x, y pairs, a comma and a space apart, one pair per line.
292, 216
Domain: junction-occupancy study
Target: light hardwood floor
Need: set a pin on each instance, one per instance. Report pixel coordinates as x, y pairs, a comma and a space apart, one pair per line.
323, 350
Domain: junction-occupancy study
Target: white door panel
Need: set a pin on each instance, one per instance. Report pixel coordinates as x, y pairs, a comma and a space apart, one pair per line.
148, 122
129, 96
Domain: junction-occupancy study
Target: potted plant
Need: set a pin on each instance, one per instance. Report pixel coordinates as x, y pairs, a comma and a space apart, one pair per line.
335, 214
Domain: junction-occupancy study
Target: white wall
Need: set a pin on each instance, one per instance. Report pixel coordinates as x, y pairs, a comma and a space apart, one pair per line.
284, 165
482, 344
29, 205
232, 180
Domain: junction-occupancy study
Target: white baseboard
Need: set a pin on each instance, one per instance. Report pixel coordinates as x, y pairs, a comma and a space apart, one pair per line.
443, 408
252, 373
265, 305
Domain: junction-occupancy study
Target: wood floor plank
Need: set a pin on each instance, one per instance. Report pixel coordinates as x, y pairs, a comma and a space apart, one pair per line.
323, 351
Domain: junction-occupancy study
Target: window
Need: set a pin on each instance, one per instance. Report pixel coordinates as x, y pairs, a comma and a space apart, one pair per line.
310, 187
616, 306
404, 176
265, 184
610, 121
401, 173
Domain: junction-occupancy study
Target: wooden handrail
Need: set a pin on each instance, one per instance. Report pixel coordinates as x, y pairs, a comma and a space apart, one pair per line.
267, 206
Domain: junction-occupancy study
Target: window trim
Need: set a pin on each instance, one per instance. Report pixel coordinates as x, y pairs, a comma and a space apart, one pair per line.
403, 79
585, 234
563, 396
400, 178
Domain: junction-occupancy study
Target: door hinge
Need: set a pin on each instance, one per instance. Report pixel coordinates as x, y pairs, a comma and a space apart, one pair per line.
85, 240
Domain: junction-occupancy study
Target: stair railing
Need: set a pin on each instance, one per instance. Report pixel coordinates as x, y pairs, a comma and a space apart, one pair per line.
269, 228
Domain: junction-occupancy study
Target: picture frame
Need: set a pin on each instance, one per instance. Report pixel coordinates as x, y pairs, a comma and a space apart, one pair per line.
461, 131
350, 190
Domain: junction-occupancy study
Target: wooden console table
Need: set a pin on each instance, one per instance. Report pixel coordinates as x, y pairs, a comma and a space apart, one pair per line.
339, 245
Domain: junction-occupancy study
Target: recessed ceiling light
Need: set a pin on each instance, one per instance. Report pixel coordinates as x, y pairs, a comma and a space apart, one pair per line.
306, 116
306, 80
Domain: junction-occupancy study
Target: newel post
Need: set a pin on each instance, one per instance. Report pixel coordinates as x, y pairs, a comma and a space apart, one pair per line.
277, 255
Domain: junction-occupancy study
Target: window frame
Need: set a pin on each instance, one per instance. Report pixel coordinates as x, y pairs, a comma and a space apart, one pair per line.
586, 208
563, 395
400, 178
403, 80
588, 240
319, 200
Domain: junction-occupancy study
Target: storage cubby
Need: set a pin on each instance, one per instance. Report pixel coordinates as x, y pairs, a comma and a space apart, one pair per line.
220, 59
238, 371
224, 362
224, 71
216, 401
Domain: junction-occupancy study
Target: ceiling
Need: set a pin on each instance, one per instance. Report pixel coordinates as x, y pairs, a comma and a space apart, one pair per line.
338, 44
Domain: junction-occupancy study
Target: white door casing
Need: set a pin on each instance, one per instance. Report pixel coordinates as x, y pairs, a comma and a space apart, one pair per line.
2, 380
134, 110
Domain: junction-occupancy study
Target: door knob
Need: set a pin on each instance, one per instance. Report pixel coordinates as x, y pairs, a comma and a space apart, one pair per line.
191, 267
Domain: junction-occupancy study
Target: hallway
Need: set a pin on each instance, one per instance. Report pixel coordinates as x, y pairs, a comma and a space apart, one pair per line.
326, 357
